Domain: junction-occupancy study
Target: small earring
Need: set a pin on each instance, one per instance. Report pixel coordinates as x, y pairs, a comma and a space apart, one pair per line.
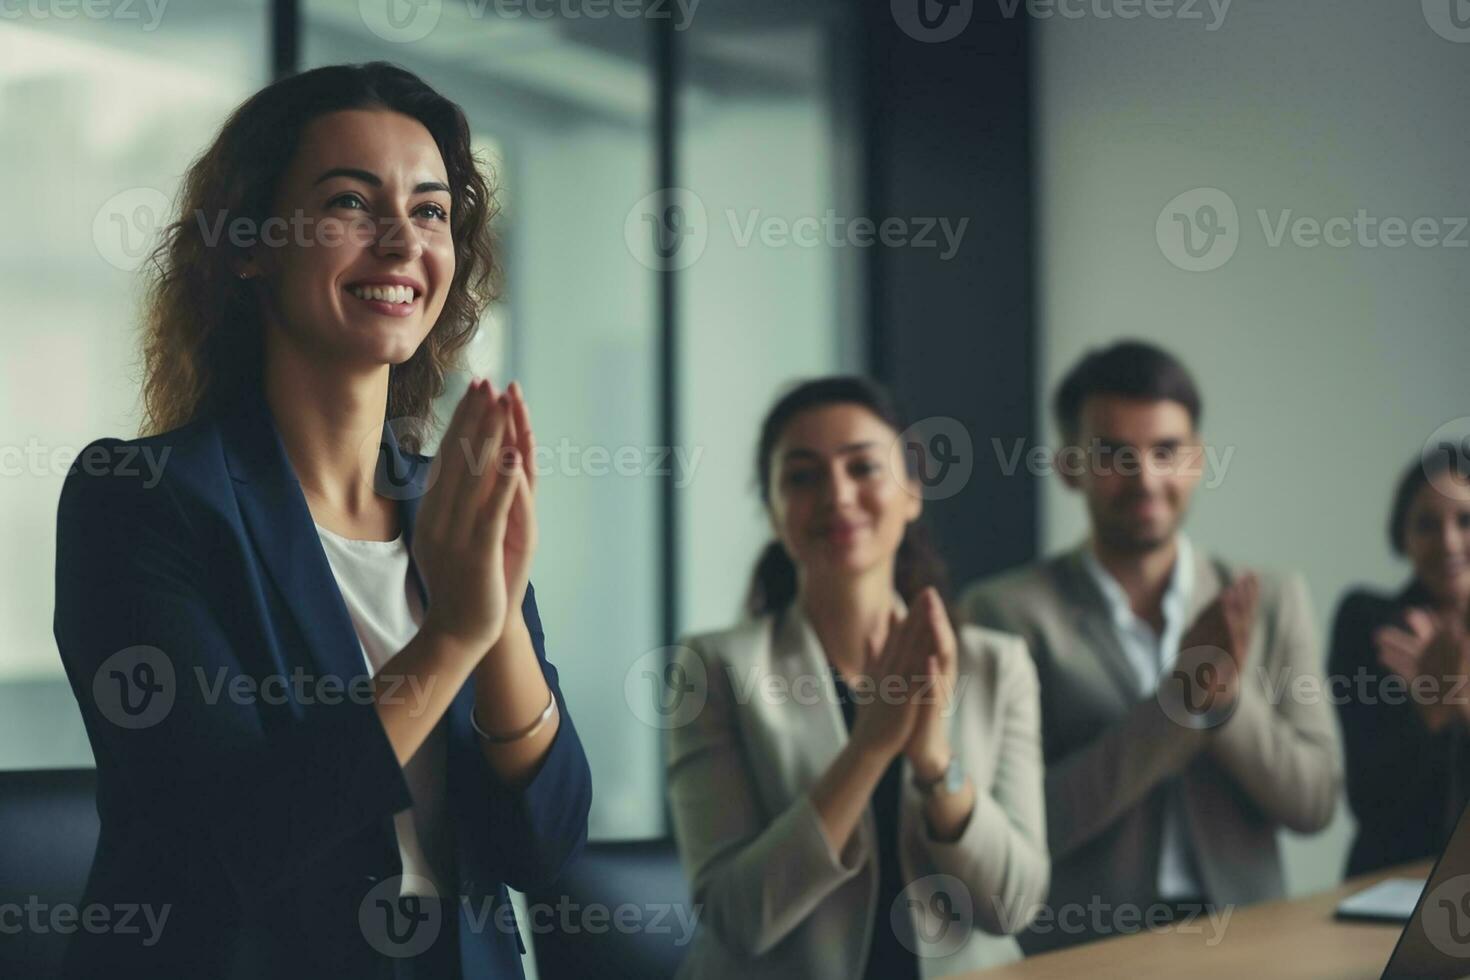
244, 275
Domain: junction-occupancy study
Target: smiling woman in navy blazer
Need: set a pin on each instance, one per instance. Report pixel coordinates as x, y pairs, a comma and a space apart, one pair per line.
309, 657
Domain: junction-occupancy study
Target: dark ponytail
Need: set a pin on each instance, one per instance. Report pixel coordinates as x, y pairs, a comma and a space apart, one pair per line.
773, 583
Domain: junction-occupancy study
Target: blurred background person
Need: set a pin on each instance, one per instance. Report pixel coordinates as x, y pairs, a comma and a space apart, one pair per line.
1400, 664
1158, 795
812, 828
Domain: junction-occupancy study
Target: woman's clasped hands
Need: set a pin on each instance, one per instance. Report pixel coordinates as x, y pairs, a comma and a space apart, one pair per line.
910, 685
476, 529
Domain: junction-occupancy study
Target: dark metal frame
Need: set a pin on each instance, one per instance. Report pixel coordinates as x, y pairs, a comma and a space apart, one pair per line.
285, 38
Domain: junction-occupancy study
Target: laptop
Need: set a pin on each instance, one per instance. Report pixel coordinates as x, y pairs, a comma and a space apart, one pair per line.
1435, 945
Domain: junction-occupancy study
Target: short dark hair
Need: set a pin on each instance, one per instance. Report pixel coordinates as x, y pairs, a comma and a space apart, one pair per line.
1433, 462
1132, 369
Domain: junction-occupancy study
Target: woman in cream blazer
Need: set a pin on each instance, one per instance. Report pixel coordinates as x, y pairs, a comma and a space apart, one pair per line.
901, 834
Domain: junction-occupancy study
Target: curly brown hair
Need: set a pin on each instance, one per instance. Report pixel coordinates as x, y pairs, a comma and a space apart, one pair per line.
202, 336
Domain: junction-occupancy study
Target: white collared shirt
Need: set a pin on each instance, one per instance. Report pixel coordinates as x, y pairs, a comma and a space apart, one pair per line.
1152, 656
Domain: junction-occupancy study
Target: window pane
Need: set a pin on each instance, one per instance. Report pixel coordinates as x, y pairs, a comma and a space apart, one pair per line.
771, 298
100, 116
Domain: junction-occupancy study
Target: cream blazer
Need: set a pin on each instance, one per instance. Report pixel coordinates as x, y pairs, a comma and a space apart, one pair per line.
759, 725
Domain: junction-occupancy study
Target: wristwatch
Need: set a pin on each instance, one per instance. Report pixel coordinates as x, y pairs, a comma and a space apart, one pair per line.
951, 781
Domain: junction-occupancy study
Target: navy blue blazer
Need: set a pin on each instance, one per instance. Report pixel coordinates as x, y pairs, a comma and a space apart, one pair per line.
245, 782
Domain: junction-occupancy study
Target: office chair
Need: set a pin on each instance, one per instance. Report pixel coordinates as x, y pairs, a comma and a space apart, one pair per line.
48, 833
644, 874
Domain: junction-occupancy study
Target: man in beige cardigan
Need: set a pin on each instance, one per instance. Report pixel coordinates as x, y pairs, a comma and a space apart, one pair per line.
1184, 718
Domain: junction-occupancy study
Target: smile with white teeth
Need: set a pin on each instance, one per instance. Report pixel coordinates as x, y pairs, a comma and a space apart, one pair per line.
385, 294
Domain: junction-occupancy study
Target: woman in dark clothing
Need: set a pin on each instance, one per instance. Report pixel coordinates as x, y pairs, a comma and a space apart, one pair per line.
245, 629
1400, 663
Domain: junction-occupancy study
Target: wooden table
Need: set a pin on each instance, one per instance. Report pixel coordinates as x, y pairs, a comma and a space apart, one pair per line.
1296, 939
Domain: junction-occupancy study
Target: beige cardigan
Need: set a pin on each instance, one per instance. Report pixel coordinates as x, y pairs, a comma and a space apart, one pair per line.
760, 727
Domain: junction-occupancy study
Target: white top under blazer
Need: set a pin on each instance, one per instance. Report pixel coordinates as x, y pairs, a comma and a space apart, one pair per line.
386, 610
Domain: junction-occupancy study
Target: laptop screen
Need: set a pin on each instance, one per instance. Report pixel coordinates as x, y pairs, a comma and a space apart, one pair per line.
1435, 945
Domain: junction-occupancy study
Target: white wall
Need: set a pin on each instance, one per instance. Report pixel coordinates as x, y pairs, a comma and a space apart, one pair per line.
757, 313
1325, 368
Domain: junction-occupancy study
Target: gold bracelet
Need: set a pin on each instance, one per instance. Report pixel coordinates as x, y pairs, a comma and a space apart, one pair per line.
526, 732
